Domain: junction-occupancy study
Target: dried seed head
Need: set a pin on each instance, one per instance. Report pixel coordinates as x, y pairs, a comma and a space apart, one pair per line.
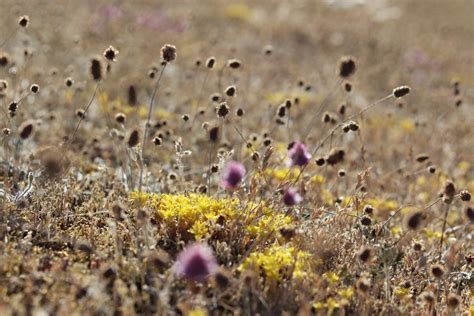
281, 112
348, 87
120, 118
469, 212
96, 69
320, 161
168, 53
234, 63
222, 279
4, 59
366, 220
365, 254
428, 297
34, 88
347, 66
413, 220
341, 173
230, 91
210, 62
401, 91
363, 285
222, 110
240, 112
132, 95
449, 191
353, 126
369, 209
215, 97
256, 156
465, 195
53, 162
185, 117
111, 53
69, 82
133, 139
157, 141
214, 134
453, 301
24, 21
81, 113
422, 157
431, 169
335, 156
6, 131
26, 129
288, 232
346, 128
342, 109
267, 50
437, 271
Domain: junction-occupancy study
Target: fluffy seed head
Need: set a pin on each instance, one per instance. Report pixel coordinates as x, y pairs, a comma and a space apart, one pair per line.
232, 175
299, 154
196, 262
453, 301
291, 197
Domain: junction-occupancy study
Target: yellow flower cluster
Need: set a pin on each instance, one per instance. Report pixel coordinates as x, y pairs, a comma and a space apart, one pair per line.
198, 213
278, 259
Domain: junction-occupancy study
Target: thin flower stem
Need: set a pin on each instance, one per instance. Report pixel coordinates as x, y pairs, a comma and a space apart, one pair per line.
145, 134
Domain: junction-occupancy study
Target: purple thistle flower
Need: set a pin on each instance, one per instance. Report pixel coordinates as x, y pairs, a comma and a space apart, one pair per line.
232, 175
299, 155
291, 197
196, 262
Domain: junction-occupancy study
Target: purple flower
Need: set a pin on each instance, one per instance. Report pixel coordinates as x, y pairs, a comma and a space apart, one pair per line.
291, 197
299, 155
232, 175
196, 262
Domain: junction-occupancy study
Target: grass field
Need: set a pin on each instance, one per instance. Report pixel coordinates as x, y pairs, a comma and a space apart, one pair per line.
301, 157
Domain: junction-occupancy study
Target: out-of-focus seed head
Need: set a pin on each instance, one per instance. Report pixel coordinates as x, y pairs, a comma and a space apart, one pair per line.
401, 91
168, 53
347, 66
111, 53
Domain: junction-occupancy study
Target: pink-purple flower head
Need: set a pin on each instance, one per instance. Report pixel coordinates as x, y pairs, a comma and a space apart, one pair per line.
299, 154
291, 197
196, 262
232, 175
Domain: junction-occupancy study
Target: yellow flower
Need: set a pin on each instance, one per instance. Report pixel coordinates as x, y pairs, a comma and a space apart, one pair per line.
401, 292
198, 312
278, 259
331, 304
140, 197
331, 277
199, 230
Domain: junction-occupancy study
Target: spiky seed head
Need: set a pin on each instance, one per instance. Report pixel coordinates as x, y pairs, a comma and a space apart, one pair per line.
111, 53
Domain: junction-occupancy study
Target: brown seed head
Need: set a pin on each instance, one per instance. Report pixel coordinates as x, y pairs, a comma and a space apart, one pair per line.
222, 110
401, 91
111, 53
347, 66
26, 129
234, 63
437, 270
210, 62
465, 195
168, 53
133, 139
96, 69
24, 21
